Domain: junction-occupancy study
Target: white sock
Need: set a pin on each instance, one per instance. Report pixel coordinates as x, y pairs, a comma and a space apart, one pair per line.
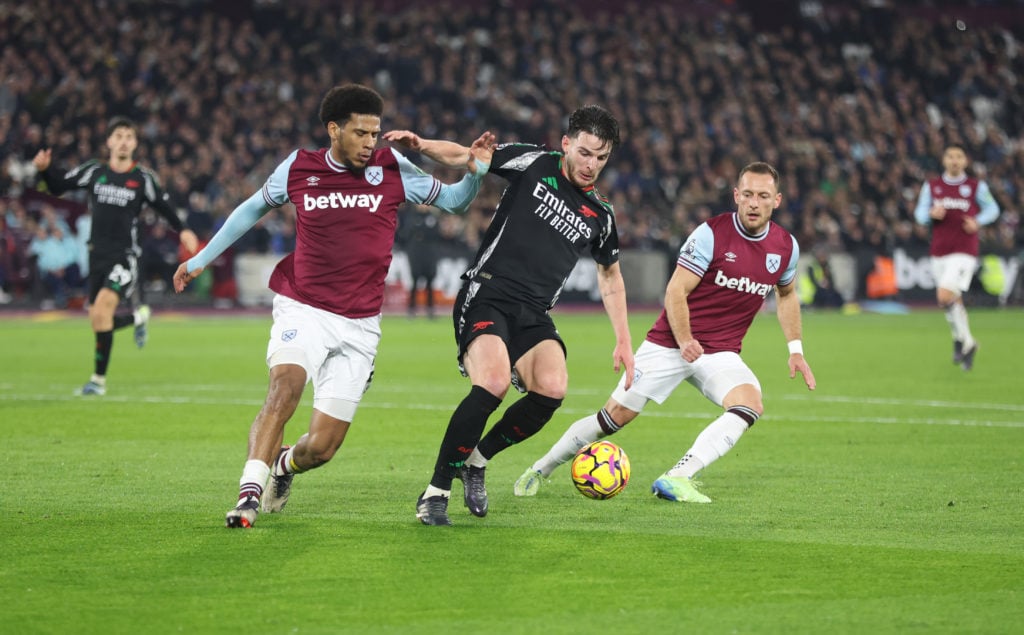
254, 477
99, 380
284, 464
586, 430
711, 444
476, 459
436, 491
961, 329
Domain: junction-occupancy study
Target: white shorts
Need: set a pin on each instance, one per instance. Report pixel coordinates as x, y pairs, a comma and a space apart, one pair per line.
336, 352
659, 370
954, 271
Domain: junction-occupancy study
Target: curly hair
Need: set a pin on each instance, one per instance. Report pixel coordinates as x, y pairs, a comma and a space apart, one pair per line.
341, 102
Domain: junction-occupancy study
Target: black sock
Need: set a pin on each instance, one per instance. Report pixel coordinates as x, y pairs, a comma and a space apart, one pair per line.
104, 342
123, 319
464, 430
522, 420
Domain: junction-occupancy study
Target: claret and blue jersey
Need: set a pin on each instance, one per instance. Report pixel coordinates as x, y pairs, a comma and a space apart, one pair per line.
738, 271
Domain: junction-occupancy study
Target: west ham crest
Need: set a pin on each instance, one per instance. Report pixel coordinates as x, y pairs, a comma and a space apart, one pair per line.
772, 262
374, 174
965, 190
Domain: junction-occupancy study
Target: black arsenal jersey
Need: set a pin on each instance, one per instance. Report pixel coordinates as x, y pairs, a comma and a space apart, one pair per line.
115, 200
541, 227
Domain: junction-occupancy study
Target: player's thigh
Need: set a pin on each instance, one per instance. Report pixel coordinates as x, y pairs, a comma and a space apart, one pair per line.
104, 304
658, 371
486, 355
542, 368
297, 337
954, 272
537, 353
717, 374
347, 371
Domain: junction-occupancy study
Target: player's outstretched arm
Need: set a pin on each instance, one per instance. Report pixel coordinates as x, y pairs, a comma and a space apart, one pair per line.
447, 153
241, 219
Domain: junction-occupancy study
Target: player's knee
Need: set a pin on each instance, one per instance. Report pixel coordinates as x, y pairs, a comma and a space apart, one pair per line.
618, 414
553, 384
494, 382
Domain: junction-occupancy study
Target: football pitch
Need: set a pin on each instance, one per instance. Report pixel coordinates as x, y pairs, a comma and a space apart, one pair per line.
889, 500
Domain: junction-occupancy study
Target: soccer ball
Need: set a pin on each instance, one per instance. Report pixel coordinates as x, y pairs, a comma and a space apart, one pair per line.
600, 470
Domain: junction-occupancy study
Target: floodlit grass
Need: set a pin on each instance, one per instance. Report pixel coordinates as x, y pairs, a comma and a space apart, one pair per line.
887, 501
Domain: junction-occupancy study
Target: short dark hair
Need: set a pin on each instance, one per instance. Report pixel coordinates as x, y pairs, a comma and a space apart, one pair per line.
120, 122
341, 102
760, 167
594, 120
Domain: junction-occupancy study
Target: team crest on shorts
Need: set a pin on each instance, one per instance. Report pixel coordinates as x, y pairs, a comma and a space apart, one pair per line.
289, 335
637, 374
374, 174
772, 262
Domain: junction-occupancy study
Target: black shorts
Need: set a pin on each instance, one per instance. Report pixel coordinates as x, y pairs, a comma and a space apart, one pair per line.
119, 274
519, 326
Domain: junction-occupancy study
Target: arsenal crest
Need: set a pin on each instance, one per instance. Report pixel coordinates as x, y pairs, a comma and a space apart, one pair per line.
772, 262
374, 174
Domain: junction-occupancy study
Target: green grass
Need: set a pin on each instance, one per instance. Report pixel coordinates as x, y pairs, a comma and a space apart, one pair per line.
887, 501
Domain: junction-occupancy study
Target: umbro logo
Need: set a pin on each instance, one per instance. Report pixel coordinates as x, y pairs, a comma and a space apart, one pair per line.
730, 257
313, 181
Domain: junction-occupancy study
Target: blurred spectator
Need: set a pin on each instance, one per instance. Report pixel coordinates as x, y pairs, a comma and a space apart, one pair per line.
819, 272
57, 261
851, 102
419, 235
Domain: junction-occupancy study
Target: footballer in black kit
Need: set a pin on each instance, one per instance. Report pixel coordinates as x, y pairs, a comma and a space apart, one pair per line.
115, 200
549, 215
116, 191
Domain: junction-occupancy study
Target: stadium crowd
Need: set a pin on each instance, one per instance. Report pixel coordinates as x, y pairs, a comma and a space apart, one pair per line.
853, 102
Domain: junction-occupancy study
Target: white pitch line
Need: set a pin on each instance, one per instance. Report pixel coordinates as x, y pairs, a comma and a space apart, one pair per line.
928, 403
447, 407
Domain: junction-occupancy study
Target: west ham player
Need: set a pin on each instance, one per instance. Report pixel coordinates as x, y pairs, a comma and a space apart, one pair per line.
117, 191
955, 205
726, 268
548, 216
331, 288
